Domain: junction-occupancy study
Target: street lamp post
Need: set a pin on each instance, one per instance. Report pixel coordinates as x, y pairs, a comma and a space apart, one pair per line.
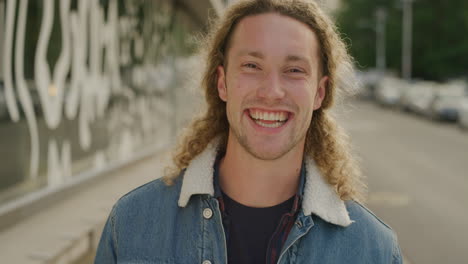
380, 38
381, 16
2, 17
407, 44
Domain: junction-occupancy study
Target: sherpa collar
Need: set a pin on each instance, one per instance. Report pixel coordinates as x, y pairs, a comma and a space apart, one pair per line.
319, 197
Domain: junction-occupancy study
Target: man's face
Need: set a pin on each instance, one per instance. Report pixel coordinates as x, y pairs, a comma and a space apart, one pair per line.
271, 85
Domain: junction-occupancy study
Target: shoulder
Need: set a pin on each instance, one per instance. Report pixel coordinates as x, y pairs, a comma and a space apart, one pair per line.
367, 225
362, 216
153, 188
150, 197
367, 240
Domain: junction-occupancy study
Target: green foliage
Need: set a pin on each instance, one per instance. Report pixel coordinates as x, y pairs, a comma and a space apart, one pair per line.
440, 35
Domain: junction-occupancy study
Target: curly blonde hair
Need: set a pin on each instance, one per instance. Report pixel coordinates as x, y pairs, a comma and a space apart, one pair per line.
326, 142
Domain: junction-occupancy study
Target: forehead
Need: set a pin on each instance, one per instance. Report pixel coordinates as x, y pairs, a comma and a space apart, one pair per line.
275, 34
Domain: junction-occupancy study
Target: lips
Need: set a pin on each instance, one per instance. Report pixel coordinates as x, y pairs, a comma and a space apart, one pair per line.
268, 118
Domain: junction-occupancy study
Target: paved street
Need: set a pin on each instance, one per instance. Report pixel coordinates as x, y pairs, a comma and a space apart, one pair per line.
418, 179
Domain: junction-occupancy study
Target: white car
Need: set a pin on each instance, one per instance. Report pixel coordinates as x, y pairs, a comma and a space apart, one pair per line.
368, 81
419, 96
446, 102
389, 90
445, 107
463, 113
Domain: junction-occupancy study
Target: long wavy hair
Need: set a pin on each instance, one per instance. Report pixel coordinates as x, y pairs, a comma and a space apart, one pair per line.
326, 142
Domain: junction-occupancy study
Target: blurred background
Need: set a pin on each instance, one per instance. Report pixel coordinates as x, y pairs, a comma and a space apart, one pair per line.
94, 92
409, 121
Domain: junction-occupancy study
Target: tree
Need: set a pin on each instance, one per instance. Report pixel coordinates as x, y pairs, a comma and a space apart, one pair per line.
440, 35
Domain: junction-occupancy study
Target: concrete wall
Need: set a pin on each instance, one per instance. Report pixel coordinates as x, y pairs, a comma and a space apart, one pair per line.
87, 85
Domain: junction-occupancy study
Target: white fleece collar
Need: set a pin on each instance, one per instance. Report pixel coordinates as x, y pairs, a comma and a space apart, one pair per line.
319, 197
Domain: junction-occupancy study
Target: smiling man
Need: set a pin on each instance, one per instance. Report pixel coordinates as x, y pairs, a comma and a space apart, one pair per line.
264, 176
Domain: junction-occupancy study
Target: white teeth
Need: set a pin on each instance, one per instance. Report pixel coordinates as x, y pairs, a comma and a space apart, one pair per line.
253, 114
260, 116
274, 125
277, 116
282, 116
269, 116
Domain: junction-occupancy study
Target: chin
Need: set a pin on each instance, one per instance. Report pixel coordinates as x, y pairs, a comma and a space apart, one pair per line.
265, 148
267, 152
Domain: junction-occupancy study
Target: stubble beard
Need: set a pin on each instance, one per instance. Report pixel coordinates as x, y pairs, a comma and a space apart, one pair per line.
264, 154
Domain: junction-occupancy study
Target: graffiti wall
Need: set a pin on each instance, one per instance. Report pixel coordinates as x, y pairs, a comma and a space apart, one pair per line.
84, 84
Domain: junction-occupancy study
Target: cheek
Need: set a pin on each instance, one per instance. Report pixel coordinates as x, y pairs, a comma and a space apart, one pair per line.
248, 81
303, 94
241, 86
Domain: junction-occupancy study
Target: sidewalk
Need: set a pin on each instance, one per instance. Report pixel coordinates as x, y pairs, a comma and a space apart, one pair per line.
69, 230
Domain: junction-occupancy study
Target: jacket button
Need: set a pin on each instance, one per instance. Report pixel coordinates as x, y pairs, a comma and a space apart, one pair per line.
206, 262
207, 214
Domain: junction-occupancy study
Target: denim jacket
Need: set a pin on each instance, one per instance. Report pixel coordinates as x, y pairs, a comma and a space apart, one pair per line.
182, 223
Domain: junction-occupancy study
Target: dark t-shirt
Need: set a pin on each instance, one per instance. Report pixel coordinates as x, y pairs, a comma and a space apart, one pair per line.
250, 229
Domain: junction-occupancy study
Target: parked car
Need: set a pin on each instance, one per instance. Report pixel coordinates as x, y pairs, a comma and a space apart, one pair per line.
389, 90
418, 97
368, 81
463, 113
446, 102
407, 96
445, 107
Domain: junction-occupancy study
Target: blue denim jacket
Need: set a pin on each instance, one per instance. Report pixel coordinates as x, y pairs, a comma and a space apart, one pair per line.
182, 223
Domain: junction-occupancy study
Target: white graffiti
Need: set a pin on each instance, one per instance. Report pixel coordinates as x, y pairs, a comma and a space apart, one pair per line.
7, 61
99, 162
21, 84
51, 86
126, 145
95, 44
89, 86
59, 164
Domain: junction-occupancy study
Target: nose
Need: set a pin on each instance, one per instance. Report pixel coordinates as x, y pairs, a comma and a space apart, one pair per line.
271, 87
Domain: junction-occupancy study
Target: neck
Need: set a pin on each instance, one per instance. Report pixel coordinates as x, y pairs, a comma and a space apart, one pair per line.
259, 183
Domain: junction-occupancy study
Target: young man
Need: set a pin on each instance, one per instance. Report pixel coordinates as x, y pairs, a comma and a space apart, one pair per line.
264, 176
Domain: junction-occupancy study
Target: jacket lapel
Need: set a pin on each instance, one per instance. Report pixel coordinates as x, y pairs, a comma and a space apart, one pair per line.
320, 198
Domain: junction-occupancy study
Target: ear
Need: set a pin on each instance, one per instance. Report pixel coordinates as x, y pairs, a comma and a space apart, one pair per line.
221, 85
321, 91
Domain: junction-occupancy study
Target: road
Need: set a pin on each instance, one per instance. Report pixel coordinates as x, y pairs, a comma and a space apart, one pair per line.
417, 172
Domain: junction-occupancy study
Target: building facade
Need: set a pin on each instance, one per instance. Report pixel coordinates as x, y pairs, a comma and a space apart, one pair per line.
88, 85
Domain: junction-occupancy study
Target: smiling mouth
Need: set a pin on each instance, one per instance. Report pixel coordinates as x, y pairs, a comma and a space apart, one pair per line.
269, 119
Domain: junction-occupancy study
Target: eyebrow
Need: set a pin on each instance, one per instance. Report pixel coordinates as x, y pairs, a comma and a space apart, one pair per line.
255, 54
297, 58
260, 55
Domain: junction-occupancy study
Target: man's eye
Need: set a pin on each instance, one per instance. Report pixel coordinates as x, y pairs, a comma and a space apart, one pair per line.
250, 66
295, 70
